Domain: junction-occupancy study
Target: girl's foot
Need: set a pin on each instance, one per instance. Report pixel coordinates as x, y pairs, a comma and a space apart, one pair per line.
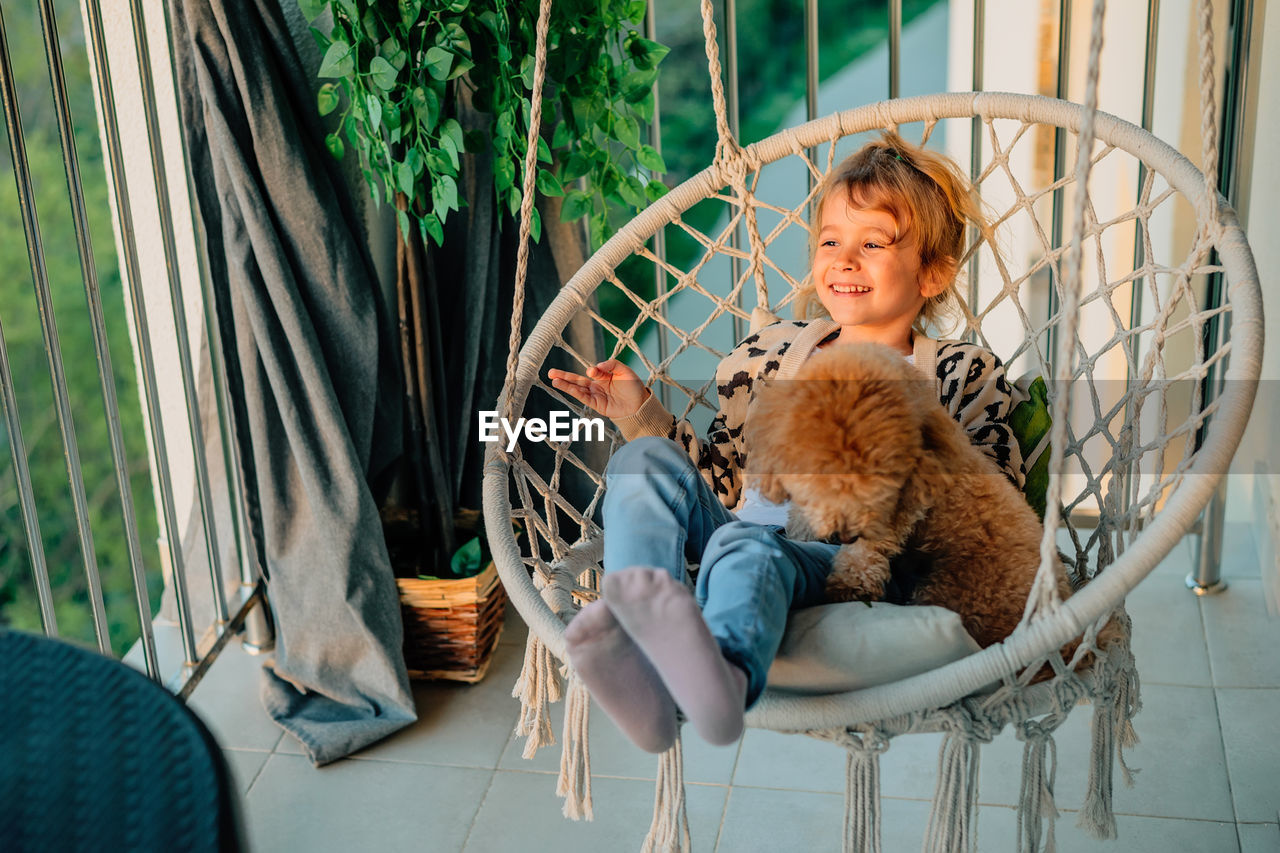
661, 616
620, 678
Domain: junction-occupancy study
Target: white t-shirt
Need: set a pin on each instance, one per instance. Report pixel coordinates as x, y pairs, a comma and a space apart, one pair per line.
757, 509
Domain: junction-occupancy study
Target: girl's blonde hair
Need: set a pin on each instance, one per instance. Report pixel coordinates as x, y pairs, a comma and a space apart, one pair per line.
930, 199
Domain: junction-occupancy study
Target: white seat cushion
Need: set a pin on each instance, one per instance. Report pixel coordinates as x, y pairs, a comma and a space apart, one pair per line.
832, 648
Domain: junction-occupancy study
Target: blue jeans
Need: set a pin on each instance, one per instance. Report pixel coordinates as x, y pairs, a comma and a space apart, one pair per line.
659, 512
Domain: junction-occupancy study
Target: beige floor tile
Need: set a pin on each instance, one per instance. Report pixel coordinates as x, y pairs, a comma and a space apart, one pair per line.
245, 766
776, 760
1251, 723
363, 805
613, 755
770, 821
1242, 636
521, 813
1168, 637
1182, 771
227, 700
1259, 837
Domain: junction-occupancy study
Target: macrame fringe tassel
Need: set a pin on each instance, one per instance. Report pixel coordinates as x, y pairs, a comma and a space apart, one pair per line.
536, 688
1097, 815
1035, 801
862, 800
952, 827
669, 832
1128, 704
574, 783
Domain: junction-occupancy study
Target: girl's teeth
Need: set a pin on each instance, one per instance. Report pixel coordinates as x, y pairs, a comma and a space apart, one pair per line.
839, 288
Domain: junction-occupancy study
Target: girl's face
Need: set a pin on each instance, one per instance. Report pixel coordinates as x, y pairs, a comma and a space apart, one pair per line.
869, 282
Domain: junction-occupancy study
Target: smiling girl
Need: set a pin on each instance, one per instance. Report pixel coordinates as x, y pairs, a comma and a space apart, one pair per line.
885, 248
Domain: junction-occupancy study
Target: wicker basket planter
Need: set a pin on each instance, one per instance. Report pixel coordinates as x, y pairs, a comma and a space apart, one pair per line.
452, 627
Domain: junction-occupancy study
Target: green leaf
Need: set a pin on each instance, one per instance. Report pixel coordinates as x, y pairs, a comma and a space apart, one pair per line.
311, 9
577, 166
384, 74
457, 38
335, 146
426, 106
450, 148
638, 84
535, 225
414, 158
626, 131
504, 173
490, 20
544, 153
655, 190
465, 562
403, 218
453, 130
327, 98
439, 61
462, 66
444, 192
646, 54
409, 10
548, 184
649, 157
527, 68
339, 61
513, 201
439, 164
405, 179
431, 226
375, 112
459, 5
391, 117
635, 11
632, 191
577, 204
562, 135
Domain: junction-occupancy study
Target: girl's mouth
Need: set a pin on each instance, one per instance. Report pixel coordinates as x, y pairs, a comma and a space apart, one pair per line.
848, 289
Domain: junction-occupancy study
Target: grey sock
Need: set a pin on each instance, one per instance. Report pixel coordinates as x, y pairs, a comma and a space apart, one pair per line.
661, 616
620, 678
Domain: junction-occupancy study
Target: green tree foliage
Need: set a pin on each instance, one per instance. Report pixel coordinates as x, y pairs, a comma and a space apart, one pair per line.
25, 345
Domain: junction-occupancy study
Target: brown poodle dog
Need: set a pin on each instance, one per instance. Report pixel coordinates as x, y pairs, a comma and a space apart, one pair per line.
868, 457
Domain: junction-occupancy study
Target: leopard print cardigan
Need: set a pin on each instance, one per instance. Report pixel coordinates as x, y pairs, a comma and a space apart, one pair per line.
970, 382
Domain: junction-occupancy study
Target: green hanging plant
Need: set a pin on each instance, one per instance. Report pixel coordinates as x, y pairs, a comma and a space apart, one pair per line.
394, 70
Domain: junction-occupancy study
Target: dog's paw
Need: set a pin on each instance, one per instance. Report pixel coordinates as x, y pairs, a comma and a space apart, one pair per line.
858, 573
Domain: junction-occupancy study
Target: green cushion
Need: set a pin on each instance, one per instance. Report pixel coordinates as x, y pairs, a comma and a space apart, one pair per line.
1030, 422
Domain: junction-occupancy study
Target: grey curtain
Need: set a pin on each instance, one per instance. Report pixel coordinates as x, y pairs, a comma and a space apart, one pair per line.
311, 368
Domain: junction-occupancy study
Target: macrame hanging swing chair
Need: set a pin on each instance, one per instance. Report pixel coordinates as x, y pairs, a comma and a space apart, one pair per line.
1145, 471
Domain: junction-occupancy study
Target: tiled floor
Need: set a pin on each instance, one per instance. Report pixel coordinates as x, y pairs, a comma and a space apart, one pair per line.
1209, 759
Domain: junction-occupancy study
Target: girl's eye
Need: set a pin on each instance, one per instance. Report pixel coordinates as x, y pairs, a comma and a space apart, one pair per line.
828, 242
873, 245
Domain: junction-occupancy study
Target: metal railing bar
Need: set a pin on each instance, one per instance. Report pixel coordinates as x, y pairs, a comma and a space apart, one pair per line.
115, 156
179, 308
660, 236
1059, 167
895, 47
1207, 568
1139, 254
17, 447
102, 350
810, 78
249, 570
731, 97
52, 347
978, 71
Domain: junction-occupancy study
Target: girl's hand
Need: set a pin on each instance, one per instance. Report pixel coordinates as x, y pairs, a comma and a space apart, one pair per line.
611, 388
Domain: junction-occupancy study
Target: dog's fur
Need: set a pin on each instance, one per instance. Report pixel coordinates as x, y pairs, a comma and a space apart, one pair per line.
866, 454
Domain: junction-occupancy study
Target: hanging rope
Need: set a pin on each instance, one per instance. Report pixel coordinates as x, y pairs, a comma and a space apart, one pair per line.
732, 161
526, 203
